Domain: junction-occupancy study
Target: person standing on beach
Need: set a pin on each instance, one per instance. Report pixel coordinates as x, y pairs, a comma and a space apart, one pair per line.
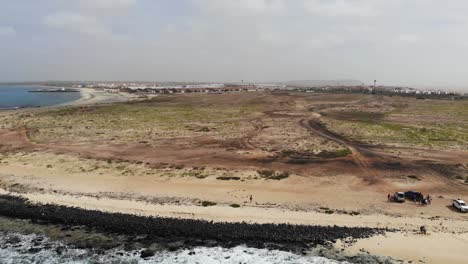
423, 230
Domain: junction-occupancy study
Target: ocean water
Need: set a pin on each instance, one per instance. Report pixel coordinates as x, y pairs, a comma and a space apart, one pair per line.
16, 248
12, 97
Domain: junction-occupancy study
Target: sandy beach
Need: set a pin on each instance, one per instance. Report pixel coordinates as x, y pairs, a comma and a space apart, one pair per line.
91, 96
404, 244
163, 198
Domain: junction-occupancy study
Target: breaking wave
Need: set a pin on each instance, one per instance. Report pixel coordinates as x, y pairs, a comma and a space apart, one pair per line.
16, 248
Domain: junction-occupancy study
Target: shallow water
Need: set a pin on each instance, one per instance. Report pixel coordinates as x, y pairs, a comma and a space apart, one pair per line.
17, 248
18, 97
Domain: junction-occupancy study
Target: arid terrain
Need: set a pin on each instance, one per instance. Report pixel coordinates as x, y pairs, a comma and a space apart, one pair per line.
300, 158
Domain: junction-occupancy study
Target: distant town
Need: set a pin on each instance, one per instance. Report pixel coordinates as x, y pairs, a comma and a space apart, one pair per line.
172, 88
344, 86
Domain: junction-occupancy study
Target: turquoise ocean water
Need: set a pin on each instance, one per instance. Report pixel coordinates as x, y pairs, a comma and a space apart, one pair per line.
12, 97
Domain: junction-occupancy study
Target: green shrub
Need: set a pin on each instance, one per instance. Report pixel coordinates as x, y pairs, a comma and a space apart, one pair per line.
228, 178
335, 154
273, 175
266, 173
414, 177
179, 166
207, 203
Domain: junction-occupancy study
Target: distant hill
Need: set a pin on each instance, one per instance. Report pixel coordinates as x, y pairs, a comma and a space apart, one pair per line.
315, 83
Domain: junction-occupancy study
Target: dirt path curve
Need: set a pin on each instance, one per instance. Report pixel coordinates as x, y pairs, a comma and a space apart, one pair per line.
358, 152
246, 141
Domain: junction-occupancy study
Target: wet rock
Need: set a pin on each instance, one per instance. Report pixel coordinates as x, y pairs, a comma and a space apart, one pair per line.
146, 254
175, 246
13, 240
34, 250
37, 241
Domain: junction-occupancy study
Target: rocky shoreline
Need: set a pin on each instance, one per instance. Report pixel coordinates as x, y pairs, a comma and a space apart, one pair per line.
174, 234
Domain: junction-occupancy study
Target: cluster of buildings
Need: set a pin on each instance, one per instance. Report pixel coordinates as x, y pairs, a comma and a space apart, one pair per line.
399, 90
172, 88
388, 90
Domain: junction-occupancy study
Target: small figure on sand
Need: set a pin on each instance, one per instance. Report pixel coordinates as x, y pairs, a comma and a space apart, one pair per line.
426, 200
423, 230
250, 198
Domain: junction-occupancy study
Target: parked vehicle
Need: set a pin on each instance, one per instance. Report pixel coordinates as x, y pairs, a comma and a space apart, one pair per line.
460, 205
399, 197
414, 196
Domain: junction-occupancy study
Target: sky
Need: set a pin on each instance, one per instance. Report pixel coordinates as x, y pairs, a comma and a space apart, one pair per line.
397, 42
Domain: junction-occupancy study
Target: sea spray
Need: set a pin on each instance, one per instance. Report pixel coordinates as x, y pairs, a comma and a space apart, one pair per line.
33, 248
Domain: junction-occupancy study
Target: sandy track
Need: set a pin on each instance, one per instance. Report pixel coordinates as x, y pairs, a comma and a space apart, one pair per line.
358, 152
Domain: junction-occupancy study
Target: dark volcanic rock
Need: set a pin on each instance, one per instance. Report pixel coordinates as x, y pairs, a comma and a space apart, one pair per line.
146, 254
34, 250
181, 233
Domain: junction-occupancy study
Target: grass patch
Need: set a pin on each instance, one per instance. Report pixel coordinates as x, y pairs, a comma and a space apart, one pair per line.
387, 132
356, 116
195, 174
228, 178
335, 154
207, 203
273, 175
414, 177
142, 122
179, 166
422, 123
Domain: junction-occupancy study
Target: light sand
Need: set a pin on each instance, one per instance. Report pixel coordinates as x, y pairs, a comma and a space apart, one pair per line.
92, 96
446, 242
432, 248
77, 176
295, 200
250, 213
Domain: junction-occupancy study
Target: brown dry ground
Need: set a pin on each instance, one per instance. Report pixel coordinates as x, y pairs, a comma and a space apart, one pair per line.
329, 152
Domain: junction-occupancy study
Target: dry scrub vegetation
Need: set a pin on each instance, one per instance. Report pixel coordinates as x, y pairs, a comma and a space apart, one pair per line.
148, 122
259, 124
438, 124
232, 121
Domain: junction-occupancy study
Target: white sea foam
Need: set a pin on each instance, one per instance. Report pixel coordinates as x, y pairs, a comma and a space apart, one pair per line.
16, 248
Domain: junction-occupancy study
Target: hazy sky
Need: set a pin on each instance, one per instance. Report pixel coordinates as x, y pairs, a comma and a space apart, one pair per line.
412, 42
